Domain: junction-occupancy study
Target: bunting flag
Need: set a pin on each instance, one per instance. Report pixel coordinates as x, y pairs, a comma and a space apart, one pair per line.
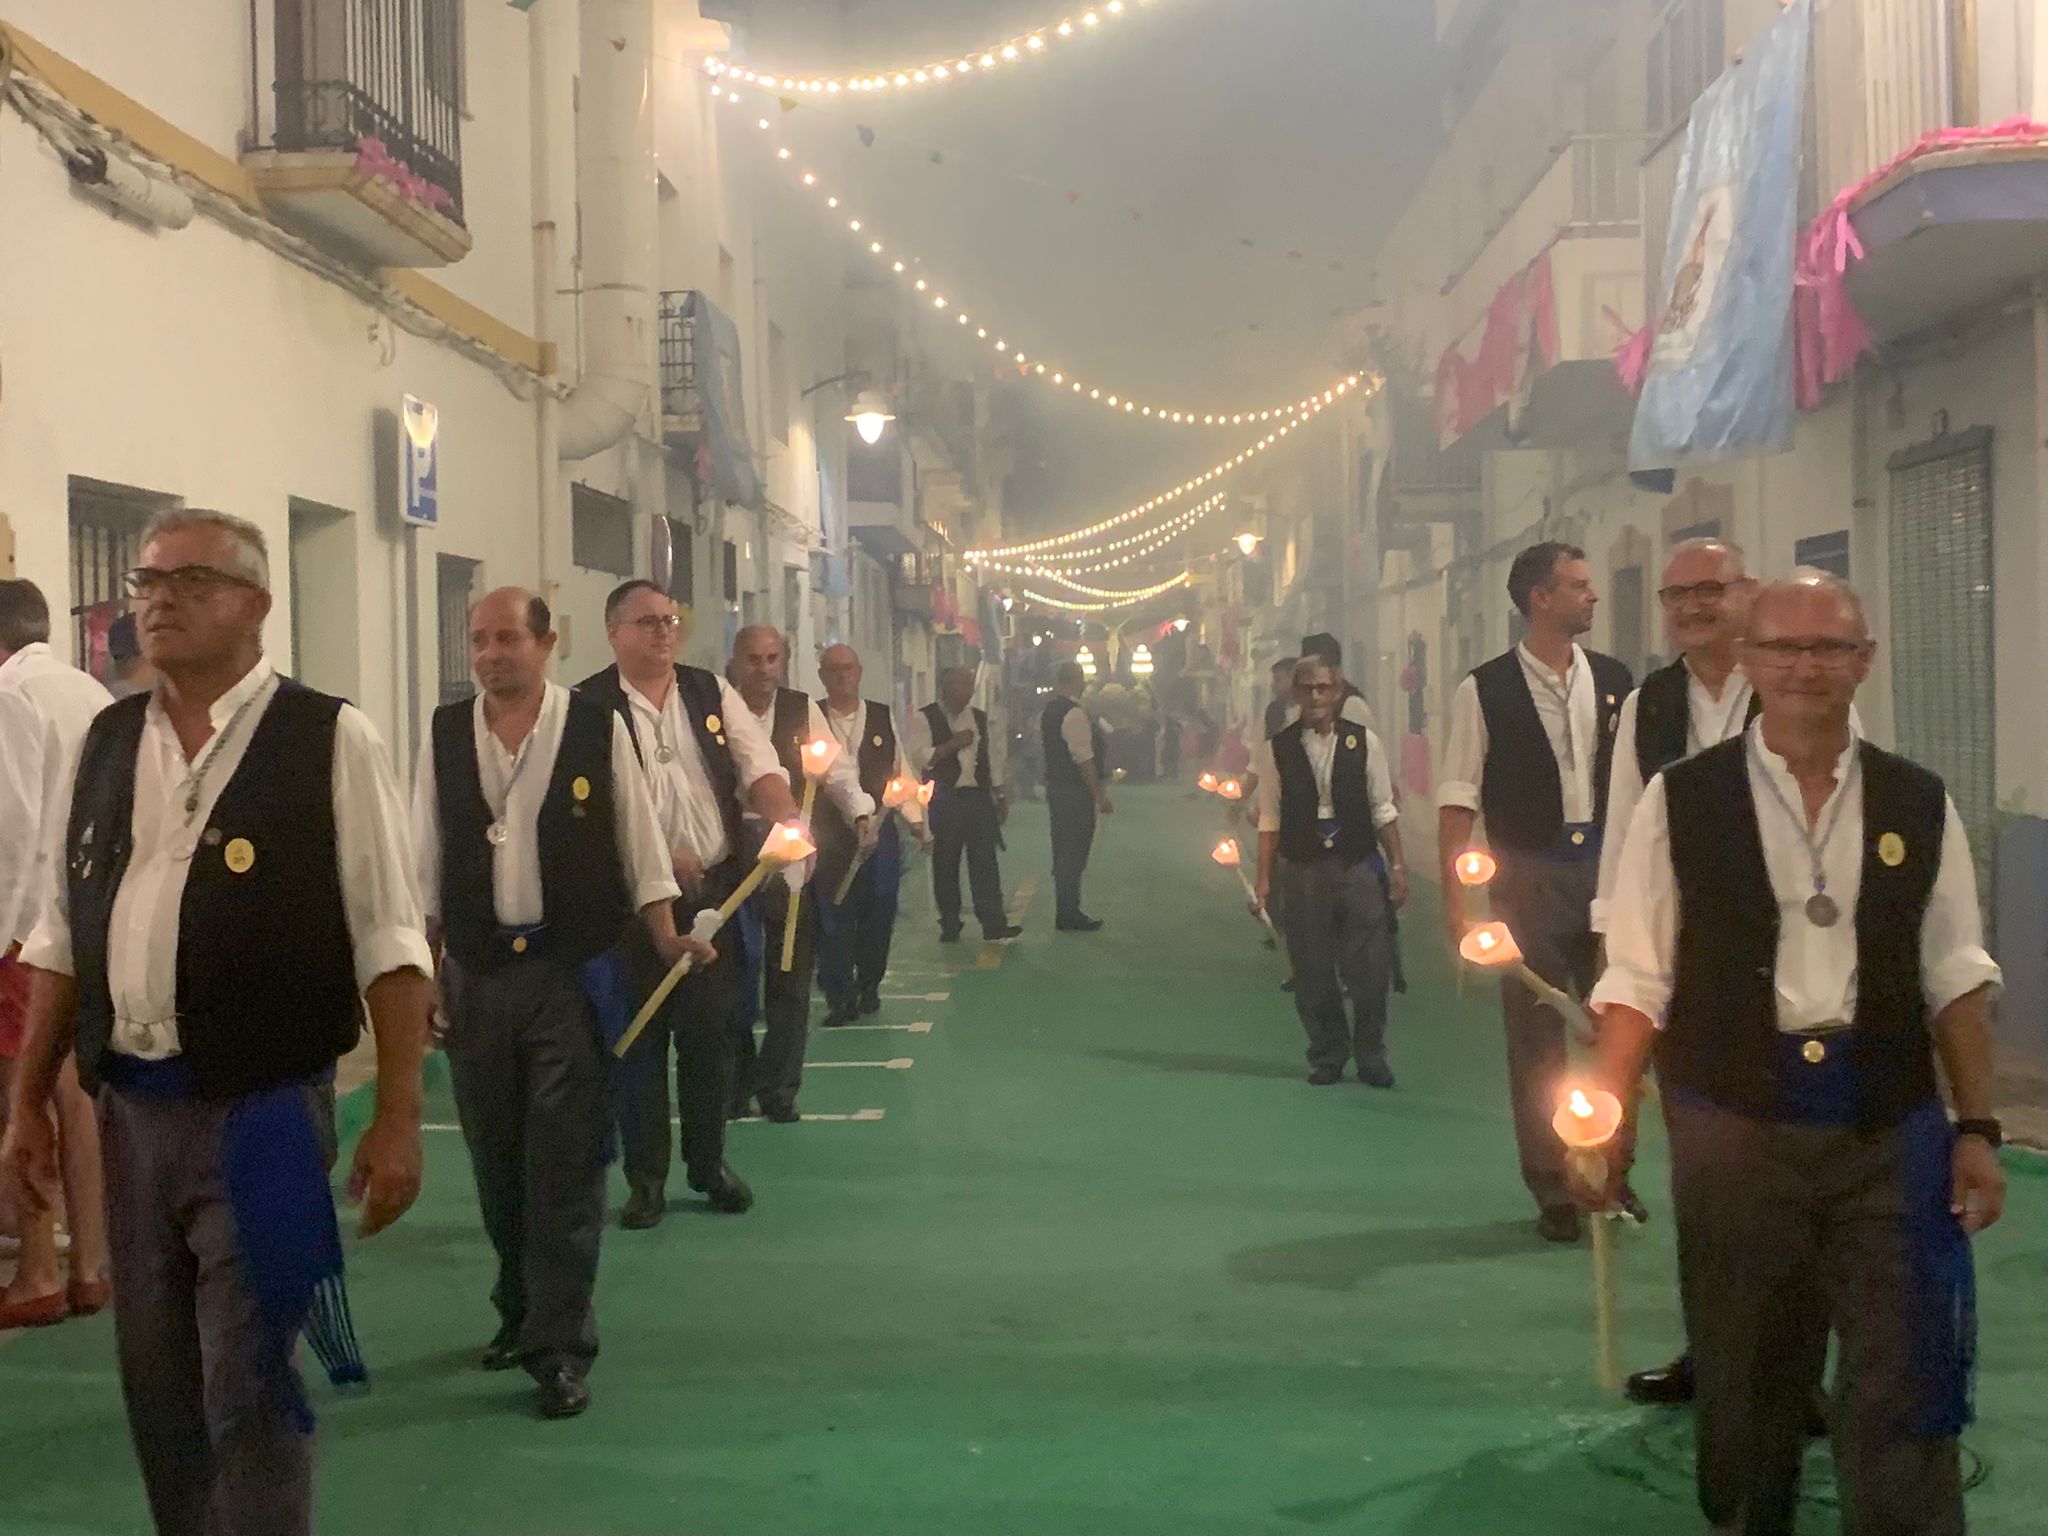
1719, 380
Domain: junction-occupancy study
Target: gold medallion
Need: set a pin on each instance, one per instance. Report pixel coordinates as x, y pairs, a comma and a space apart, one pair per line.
878, 741
712, 724
1350, 743
240, 856
1814, 1052
1578, 839
1891, 850
519, 945
581, 788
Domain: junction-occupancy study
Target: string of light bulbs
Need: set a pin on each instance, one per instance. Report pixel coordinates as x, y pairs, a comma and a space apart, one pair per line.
993, 58
1078, 535
1120, 552
1113, 600
908, 268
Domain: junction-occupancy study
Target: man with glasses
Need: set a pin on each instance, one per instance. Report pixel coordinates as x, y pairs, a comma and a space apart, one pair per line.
1325, 807
234, 887
1794, 931
537, 845
707, 762
1532, 735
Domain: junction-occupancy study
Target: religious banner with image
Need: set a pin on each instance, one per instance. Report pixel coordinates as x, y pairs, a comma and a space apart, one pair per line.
1719, 380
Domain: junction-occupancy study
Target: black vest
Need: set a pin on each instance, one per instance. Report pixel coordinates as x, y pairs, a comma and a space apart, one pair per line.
1520, 790
266, 979
789, 727
702, 706
945, 772
1664, 719
876, 753
1061, 771
585, 904
1722, 1039
1350, 795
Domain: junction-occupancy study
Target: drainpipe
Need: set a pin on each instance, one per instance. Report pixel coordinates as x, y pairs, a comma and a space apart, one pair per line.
617, 198
544, 42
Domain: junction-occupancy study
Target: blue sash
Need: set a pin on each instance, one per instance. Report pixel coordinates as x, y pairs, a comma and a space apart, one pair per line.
1941, 1280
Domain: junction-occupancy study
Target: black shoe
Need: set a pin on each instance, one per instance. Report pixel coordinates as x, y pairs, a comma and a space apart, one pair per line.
949, 935
728, 1193
780, 1112
563, 1394
643, 1208
839, 1015
1080, 922
1287, 985
1378, 1076
1630, 1204
870, 1000
1668, 1386
1007, 931
1322, 1077
1560, 1224
502, 1353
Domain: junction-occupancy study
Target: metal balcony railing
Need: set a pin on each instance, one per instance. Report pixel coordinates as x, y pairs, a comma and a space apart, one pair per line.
676, 339
359, 74
1588, 186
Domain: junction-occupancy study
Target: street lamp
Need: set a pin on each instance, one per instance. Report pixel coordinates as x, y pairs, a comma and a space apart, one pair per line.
870, 414
1247, 542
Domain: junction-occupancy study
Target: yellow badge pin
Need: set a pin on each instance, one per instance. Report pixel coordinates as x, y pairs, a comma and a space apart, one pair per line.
712, 724
240, 856
580, 788
1891, 849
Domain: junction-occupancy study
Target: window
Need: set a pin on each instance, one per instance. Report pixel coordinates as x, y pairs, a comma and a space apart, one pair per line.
792, 599
106, 543
321, 560
1628, 618
1686, 56
732, 572
454, 590
682, 562
778, 384
600, 531
1941, 613
1824, 552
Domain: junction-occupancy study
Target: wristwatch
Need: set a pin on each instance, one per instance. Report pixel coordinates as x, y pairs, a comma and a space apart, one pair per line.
1984, 1130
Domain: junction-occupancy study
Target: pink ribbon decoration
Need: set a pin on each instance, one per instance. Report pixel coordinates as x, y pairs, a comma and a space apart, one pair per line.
375, 160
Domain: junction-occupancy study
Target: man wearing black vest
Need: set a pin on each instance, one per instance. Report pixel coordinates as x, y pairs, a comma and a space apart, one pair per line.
537, 844
234, 882
1532, 733
840, 819
854, 935
1795, 933
1700, 700
1325, 806
706, 761
952, 746
1074, 791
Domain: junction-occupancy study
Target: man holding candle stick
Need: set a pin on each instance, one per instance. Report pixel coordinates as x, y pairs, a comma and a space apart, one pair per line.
855, 932
792, 721
1795, 933
1532, 737
537, 843
1325, 805
951, 745
1076, 789
706, 761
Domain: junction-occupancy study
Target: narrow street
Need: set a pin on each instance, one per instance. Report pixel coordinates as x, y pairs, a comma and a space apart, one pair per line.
1102, 1263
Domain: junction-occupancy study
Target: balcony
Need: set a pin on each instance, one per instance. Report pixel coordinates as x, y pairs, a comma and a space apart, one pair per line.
703, 410
1559, 276
360, 147
879, 513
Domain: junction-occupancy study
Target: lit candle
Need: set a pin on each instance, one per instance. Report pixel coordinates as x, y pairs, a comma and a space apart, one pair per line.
817, 757
1208, 781
1476, 867
896, 794
1230, 789
1587, 1121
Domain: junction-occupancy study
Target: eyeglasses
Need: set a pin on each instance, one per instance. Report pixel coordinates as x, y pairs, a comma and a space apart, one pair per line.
1822, 653
184, 581
1705, 591
655, 625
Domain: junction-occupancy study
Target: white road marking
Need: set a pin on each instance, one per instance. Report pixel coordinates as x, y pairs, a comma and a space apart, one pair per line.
915, 997
922, 1027
895, 1064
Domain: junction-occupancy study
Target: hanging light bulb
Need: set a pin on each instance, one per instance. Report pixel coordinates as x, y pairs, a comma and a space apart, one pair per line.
1249, 543
870, 414
1086, 658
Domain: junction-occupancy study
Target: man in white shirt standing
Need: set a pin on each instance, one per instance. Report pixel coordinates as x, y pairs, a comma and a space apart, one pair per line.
707, 762
1795, 933
233, 886
951, 745
1075, 791
537, 845
1325, 806
1532, 735
45, 707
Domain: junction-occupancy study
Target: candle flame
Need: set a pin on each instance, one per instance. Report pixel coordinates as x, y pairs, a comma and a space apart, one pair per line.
1581, 1105
1490, 945
787, 844
898, 791
818, 757
1226, 853
1207, 781
1230, 789
1587, 1117
1475, 866
924, 793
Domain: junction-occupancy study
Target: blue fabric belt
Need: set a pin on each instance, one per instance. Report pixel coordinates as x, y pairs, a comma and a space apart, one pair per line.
1579, 843
521, 943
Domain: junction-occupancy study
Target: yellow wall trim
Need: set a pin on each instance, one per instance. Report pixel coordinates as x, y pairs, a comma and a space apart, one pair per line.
165, 141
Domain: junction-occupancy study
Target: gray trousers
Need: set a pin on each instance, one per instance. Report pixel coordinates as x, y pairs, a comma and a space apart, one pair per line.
1340, 940
778, 1062
1769, 1216
209, 1394
1548, 906
528, 1064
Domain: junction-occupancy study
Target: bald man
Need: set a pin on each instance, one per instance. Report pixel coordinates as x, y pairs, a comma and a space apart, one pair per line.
854, 935
1795, 932
537, 843
953, 747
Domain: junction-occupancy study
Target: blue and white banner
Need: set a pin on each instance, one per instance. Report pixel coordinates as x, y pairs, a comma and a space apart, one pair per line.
1720, 374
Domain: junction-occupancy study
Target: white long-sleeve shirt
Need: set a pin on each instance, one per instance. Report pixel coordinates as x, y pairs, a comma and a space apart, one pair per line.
514, 786
685, 802
846, 730
1321, 748
1573, 733
45, 707
919, 746
379, 897
1816, 967
841, 784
